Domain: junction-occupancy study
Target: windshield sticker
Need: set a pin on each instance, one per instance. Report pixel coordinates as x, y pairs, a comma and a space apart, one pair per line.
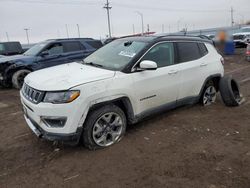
127, 54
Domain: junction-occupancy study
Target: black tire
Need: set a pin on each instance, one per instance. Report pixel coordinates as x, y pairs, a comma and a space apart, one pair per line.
18, 78
230, 92
93, 117
209, 84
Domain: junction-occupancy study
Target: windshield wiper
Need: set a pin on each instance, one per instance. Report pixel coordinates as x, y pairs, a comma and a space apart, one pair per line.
93, 64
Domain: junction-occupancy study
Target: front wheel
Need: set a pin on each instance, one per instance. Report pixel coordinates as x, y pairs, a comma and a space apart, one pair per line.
104, 127
18, 78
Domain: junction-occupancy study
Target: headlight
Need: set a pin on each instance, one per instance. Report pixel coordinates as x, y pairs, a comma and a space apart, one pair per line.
61, 97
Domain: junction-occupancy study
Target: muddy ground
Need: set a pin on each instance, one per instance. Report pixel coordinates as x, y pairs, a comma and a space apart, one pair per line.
190, 147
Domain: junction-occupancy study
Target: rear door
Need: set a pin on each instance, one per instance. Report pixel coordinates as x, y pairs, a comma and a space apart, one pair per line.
193, 68
74, 50
157, 88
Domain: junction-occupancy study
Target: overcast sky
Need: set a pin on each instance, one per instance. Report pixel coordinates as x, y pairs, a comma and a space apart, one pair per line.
47, 18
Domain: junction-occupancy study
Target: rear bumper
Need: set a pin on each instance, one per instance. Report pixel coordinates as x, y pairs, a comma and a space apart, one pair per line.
72, 138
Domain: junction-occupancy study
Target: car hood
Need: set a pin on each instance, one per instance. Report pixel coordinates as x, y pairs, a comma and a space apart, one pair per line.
245, 33
15, 58
64, 77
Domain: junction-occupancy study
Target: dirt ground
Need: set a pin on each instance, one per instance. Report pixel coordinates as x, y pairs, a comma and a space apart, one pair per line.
190, 147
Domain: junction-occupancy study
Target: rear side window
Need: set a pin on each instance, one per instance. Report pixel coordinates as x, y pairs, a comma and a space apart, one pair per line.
203, 49
95, 44
13, 47
72, 46
188, 51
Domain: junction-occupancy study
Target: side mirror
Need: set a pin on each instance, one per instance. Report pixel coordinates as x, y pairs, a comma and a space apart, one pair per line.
45, 53
148, 65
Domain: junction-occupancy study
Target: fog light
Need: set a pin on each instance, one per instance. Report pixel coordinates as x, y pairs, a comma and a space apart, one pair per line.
54, 122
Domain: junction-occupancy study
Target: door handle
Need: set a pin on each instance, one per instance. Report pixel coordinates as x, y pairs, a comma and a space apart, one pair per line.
203, 64
172, 72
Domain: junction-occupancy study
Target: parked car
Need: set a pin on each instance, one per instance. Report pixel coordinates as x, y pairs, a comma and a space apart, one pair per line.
119, 84
2, 56
10, 48
248, 52
45, 54
242, 38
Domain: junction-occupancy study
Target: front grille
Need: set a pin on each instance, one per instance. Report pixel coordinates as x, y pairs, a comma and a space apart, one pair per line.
239, 37
31, 94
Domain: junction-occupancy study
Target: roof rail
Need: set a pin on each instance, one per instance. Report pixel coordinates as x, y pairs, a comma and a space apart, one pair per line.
184, 35
72, 39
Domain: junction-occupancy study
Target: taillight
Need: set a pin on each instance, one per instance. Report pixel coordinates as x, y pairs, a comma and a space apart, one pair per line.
222, 60
248, 49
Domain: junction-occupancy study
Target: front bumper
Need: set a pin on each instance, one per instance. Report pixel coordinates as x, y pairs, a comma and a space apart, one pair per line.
71, 138
70, 132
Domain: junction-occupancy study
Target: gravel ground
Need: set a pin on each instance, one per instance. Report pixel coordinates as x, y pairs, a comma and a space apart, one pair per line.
190, 147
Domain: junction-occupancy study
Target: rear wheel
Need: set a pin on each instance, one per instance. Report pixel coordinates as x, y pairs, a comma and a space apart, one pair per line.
209, 94
18, 78
104, 127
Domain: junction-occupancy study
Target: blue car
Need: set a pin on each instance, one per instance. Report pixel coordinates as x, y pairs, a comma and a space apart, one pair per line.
13, 69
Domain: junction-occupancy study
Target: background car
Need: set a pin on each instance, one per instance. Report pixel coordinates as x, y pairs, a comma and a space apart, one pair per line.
242, 37
248, 52
45, 54
10, 48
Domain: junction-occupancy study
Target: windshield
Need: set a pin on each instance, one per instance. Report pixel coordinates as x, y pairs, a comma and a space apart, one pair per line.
116, 55
33, 51
245, 30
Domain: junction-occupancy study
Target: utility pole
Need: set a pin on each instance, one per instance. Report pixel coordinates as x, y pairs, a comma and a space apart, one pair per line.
107, 7
67, 30
142, 22
27, 34
133, 29
162, 27
78, 29
232, 16
148, 28
7, 36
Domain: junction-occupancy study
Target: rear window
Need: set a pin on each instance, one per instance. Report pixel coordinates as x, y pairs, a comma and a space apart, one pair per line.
13, 47
72, 46
95, 44
203, 49
188, 51
2, 48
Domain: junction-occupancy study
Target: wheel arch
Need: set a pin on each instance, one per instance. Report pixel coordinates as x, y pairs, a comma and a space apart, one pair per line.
216, 80
122, 102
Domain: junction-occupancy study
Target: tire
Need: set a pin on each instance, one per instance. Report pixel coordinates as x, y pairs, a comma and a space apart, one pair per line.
229, 90
209, 94
98, 132
18, 78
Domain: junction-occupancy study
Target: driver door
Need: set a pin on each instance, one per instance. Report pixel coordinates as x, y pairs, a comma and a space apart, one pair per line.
157, 88
51, 56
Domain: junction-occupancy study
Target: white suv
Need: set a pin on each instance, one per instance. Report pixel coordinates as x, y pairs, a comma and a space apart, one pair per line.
92, 101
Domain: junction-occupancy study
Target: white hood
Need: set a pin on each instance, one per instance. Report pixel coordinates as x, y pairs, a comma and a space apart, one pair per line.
64, 77
245, 33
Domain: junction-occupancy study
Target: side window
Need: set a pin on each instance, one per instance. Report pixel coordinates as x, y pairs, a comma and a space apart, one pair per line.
203, 49
95, 44
72, 46
188, 51
162, 54
54, 49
